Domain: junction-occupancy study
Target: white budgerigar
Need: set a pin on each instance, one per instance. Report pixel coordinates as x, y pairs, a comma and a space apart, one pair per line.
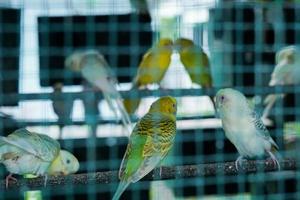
243, 127
97, 72
286, 72
24, 152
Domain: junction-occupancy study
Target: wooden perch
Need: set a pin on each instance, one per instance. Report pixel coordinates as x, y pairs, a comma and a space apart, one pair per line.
172, 172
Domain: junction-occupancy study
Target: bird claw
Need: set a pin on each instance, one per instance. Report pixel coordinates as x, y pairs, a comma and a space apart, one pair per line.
45, 180
274, 160
238, 162
10, 177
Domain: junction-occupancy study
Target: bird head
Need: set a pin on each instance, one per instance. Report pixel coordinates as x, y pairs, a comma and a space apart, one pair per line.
65, 163
288, 55
227, 99
167, 105
165, 42
181, 43
70, 162
72, 62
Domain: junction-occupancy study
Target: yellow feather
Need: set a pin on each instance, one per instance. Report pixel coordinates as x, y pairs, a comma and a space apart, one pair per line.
154, 63
57, 167
195, 61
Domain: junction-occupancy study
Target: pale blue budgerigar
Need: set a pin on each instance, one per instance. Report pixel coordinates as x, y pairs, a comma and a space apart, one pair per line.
24, 152
286, 72
243, 127
61, 107
97, 72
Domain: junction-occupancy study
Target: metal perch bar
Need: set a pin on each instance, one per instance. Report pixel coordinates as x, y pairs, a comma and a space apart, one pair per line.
5, 98
172, 172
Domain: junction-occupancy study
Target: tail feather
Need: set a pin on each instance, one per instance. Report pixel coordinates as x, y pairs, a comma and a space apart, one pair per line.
116, 99
124, 116
121, 188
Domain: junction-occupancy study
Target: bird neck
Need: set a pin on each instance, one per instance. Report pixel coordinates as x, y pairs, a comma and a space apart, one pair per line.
56, 166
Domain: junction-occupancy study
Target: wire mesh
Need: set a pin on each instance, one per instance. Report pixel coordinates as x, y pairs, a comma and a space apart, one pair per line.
241, 40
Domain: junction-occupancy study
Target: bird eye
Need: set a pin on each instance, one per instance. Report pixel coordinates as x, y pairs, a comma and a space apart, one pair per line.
222, 98
68, 161
173, 105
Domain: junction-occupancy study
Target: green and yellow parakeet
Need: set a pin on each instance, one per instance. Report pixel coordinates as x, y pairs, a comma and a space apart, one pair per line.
24, 152
97, 72
195, 61
154, 64
150, 141
151, 70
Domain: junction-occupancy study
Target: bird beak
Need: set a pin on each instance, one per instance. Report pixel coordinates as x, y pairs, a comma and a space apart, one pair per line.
176, 47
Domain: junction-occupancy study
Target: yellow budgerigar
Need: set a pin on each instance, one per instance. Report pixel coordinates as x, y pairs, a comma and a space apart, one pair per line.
154, 64
151, 70
195, 61
149, 143
24, 152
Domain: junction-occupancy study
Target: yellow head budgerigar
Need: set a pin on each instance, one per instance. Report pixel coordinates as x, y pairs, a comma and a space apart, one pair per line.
154, 63
150, 141
24, 152
195, 61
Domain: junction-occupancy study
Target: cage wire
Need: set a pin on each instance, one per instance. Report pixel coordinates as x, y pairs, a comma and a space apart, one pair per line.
241, 39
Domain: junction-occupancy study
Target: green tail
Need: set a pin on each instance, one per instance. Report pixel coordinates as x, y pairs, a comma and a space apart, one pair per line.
121, 188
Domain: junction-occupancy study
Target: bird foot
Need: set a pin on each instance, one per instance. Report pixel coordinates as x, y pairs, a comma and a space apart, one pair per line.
239, 162
10, 177
45, 180
274, 160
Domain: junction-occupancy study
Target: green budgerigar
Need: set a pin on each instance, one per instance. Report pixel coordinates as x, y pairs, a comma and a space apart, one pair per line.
24, 152
195, 61
150, 141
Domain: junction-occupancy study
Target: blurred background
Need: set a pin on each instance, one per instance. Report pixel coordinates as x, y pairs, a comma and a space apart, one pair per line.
241, 39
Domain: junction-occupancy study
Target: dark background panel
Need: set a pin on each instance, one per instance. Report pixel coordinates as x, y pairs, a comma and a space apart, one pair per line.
9, 52
122, 39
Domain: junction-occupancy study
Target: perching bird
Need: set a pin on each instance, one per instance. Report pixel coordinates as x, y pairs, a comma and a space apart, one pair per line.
151, 70
24, 152
243, 127
61, 107
150, 141
154, 64
286, 72
195, 61
97, 72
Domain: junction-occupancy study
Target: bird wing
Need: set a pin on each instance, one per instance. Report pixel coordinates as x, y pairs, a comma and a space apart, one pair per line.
144, 151
262, 131
39, 145
196, 62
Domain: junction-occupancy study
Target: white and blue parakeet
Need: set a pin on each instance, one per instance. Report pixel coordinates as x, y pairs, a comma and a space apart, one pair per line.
243, 127
24, 152
97, 72
286, 72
